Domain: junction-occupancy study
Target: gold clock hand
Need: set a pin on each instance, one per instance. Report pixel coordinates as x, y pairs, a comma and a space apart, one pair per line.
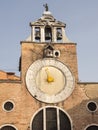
49, 77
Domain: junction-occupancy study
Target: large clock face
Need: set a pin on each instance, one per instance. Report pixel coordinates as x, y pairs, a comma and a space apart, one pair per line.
49, 80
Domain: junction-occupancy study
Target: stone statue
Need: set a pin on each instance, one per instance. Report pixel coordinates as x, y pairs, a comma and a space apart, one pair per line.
46, 7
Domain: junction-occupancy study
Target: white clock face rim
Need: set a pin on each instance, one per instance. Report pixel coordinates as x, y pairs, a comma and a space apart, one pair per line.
40, 95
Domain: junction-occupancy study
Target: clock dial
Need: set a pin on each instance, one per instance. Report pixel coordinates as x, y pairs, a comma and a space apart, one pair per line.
49, 80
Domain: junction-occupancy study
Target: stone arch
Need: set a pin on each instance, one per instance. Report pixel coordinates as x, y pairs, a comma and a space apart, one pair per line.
51, 118
92, 127
8, 127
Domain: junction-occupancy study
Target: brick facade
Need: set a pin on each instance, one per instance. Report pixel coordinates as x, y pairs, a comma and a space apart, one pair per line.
13, 89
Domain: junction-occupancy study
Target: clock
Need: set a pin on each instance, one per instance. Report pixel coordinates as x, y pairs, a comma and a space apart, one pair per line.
49, 80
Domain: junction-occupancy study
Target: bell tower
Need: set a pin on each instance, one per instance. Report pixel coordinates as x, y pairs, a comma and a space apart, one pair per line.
47, 29
49, 71
48, 95
48, 40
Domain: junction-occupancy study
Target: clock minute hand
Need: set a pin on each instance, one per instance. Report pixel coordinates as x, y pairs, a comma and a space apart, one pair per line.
49, 77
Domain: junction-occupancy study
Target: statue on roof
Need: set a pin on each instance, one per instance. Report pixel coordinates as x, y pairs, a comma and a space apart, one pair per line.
46, 7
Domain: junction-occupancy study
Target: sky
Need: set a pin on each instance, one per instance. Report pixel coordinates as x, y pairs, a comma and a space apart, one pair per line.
80, 16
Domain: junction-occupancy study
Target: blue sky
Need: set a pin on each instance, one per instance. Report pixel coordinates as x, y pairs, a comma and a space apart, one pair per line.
80, 16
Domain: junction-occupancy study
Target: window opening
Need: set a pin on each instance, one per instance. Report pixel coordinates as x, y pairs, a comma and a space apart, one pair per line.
7, 128
59, 34
92, 106
92, 127
51, 118
48, 34
8, 105
37, 34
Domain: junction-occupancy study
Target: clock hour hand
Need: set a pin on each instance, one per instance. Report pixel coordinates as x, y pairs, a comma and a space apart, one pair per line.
49, 77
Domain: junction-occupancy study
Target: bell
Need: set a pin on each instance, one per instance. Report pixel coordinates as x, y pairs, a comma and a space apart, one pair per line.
47, 36
59, 36
37, 35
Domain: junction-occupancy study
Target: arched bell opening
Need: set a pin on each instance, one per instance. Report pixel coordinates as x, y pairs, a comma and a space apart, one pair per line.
59, 34
48, 34
37, 34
